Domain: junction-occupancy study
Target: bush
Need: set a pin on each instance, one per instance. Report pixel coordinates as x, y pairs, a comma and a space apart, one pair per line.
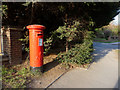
79, 54
99, 33
107, 33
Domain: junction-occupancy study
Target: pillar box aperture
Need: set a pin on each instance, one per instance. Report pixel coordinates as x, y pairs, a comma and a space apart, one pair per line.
36, 47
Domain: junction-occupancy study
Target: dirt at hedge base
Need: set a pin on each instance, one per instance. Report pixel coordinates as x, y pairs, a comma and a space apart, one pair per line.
52, 70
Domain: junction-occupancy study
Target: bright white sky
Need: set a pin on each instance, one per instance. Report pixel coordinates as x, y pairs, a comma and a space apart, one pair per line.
115, 22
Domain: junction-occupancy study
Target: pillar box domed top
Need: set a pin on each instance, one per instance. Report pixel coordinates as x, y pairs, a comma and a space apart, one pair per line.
35, 27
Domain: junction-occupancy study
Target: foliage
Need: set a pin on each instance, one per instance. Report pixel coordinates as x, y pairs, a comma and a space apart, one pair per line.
4, 10
15, 79
50, 42
115, 29
68, 32
25, 42
99, 33
47, 45
79, 54
66, 22
106, 31
53, 14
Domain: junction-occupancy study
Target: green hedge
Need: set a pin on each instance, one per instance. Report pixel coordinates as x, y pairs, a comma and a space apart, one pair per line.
79, 54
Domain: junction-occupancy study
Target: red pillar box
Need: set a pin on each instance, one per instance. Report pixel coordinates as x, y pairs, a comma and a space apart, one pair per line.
36, 47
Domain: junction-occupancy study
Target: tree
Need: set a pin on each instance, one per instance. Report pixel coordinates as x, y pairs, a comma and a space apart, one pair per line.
68, 32
53, 15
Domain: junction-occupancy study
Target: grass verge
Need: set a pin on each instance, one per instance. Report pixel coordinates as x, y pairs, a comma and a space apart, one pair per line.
102, 40
107, 41
16, 76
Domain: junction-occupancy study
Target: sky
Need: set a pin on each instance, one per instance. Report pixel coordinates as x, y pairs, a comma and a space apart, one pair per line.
116, 20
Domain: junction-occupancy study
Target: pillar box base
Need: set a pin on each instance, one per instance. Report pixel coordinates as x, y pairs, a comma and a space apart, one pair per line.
36, 47
36, 69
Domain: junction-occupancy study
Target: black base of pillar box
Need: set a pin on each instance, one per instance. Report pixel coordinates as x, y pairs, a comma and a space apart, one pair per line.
36, 69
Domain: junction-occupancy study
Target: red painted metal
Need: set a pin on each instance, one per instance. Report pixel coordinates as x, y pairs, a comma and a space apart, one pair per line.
36, 45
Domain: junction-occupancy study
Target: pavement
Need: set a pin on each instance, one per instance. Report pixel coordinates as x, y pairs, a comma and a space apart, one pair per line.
102, 73
116, 43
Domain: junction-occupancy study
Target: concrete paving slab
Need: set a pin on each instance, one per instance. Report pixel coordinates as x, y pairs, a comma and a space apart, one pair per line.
103, 72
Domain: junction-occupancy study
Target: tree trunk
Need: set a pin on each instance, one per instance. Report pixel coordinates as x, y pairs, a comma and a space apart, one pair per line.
66, 20
67, 46
32, 13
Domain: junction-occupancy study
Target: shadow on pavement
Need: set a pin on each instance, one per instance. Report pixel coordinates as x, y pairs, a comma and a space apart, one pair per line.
117, 85
101, 50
